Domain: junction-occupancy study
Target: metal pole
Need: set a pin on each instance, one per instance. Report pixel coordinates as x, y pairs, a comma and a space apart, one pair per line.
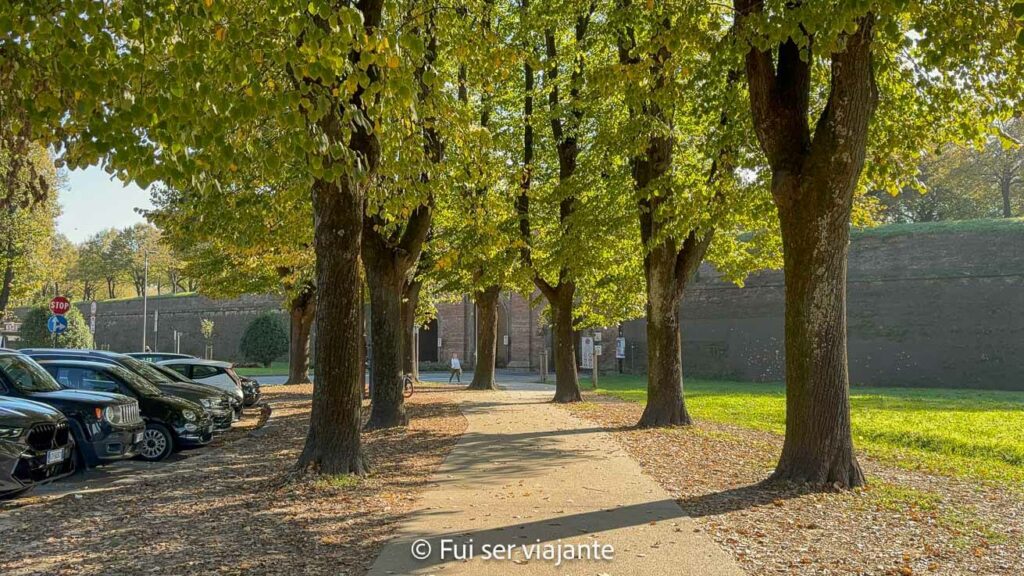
145, 282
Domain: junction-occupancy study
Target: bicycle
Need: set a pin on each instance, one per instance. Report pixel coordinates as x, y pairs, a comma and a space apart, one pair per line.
408, 385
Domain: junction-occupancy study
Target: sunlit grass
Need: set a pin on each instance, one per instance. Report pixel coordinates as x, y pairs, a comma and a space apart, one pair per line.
275, 369
967, 433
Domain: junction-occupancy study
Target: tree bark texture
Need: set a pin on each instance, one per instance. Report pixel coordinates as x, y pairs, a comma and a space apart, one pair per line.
301, 313
410, 301
1004, 191
567, 384
814, 175
386, 282
332, 443
487, 338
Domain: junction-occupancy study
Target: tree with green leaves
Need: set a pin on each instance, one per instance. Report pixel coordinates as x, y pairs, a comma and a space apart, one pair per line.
140, 254
335, 79
685, 143
26, 226
571, 232
835, 87
990, 173
251, 234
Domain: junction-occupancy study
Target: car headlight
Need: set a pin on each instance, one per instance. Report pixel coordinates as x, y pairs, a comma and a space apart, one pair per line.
10, 433
189, 415
206, 402
112, 415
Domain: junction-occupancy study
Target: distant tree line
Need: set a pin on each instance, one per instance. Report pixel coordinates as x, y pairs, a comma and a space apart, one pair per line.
964, 182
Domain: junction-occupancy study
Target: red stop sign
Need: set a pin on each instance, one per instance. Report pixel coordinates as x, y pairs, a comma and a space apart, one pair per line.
60, 305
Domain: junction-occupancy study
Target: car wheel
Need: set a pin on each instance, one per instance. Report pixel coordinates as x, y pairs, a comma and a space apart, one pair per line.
157, 443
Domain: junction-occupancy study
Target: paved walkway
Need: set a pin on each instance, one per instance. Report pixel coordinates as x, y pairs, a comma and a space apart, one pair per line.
528, 481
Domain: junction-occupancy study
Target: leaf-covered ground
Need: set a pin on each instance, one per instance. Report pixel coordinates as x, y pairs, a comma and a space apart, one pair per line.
904, 523
237, 509
973, 434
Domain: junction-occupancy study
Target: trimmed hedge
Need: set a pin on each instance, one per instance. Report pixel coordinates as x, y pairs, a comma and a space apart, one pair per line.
264, 340
34, 333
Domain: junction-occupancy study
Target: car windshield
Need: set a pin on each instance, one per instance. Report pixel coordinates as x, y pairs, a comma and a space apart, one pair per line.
136, 382
148, 372
27, 376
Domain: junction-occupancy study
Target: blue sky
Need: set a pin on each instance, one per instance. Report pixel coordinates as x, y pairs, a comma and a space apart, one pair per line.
93, 201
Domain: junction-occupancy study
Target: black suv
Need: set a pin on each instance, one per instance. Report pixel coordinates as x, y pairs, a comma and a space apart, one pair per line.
219, 405
36, 446
171, 422
106, 427
228, 402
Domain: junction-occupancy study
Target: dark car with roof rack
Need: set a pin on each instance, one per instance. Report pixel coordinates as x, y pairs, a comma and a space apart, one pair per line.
157, 356
172, 423
106, 426
221, 407
36, 446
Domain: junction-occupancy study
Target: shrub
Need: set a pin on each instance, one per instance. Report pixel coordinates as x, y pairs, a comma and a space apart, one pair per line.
34, 333
265, 340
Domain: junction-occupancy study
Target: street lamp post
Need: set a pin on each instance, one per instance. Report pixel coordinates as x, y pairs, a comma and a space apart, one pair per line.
145, 302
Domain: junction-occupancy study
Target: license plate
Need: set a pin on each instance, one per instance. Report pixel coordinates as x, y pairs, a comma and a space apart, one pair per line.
138, 438
54, 456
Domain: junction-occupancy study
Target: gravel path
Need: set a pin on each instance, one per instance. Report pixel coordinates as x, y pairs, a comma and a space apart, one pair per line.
528, 478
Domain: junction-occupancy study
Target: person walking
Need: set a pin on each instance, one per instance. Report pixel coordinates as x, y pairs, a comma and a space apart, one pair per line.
456, 367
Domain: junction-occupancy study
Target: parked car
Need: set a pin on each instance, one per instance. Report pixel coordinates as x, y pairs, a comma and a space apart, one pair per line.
106, 426
36, 446
211, 398
157, 356
251, 392
216, 373
234, 403
172, 423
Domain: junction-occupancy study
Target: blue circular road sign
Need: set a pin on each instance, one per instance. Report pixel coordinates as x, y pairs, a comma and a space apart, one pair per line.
57, 324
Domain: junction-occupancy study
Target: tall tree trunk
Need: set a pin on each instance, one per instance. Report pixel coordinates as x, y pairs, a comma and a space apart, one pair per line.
386, 334
110, 288
567, 385
487, 338
814, 175
301, 312
5, 291
818, 447
332, 444
410, 301
1004, 189
665, 404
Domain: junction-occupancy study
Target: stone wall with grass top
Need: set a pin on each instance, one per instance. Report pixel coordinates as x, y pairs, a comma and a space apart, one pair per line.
929, 305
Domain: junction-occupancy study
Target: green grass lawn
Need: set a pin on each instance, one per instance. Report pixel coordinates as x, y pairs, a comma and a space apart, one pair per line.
275, 369
973, 434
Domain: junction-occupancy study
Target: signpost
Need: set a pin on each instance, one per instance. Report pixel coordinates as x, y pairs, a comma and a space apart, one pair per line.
57, 325
60, 306
587, 352
92, 320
